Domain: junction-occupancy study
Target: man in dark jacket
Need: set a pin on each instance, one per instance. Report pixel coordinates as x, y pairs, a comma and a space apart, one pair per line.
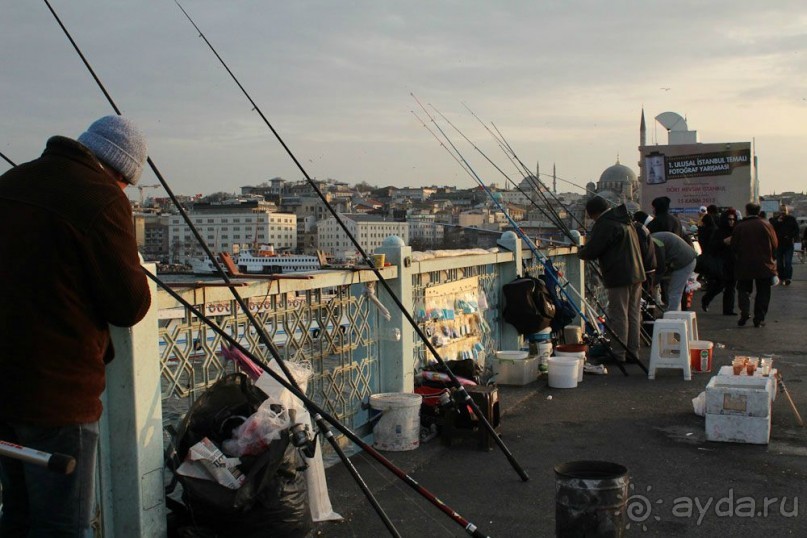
614, 243
753, 243
70, 268
663, 221
787, 233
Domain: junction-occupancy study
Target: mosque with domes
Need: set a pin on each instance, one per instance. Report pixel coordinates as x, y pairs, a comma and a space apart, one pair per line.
618, 184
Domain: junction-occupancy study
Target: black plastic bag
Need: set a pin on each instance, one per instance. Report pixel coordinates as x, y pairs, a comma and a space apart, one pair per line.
273, 499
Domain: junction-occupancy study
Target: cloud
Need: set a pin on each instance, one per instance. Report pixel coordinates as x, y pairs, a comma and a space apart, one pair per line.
565, 81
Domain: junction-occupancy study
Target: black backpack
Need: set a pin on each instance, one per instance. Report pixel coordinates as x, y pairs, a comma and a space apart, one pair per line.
528, 305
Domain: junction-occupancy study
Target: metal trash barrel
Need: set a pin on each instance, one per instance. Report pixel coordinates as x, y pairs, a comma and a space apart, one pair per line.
590, 499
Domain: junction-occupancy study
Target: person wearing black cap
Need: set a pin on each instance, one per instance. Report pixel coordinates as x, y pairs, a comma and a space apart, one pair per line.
663, 221
70, 269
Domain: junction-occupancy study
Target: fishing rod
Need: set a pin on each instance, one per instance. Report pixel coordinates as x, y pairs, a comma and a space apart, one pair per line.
593, 264
467, 166
9, 161
469, 527
296, 391
58, 463
557, 221
596, 269
460, 393
540, 257
262, 335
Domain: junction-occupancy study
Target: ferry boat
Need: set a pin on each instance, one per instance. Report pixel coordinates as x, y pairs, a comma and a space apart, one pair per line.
262, 260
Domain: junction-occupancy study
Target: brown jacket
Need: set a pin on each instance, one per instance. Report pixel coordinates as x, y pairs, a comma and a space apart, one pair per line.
753, 242
68, 268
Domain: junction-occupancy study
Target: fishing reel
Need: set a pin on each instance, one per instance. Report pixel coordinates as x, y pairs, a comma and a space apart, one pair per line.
300, 438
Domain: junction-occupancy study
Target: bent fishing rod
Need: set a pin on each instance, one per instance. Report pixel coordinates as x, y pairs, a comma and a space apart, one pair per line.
457, 155
554, 219
469, 527
460, 394
548, 270
508, 150
262, 335
595, 267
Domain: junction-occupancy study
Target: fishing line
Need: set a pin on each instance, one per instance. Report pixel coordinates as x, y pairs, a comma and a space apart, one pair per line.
264, 338
460, 393
558, 223
595, 267
548, 270
590, 263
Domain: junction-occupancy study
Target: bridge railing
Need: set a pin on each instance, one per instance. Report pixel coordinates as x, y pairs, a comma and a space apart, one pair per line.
330, 322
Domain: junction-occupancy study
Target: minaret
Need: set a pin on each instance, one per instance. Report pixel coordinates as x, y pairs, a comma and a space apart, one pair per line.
642, 131
554, 179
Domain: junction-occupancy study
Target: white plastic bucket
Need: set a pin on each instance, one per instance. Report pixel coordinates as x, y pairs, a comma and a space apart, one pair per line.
398, 429
580, 356
544, 351
563, 372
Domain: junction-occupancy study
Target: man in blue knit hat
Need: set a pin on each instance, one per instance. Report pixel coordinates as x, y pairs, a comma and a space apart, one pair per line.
70, 269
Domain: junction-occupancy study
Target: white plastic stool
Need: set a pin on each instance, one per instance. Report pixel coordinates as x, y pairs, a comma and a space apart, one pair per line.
691, 319
670, 347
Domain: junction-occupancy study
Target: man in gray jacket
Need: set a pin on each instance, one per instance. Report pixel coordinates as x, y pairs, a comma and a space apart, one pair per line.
614, 243
679, 260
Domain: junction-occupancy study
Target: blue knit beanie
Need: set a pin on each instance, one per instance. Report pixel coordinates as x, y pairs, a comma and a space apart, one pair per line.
119, 143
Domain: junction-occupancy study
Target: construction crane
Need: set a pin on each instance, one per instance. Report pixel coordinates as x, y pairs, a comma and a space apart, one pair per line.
141, 187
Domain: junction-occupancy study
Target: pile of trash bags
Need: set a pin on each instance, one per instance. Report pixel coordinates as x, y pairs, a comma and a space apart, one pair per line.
240, 474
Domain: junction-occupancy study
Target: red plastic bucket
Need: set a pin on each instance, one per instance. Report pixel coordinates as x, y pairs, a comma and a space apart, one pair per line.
700, 355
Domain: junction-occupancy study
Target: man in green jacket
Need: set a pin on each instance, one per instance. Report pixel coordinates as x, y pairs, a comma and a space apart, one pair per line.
614, 243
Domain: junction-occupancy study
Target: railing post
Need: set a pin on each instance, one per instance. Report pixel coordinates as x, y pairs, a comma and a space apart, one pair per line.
510, 339
576, 275
397, 337
131, 444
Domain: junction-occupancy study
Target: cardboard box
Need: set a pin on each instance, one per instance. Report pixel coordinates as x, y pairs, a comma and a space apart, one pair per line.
738, 429
746, 396
516, 371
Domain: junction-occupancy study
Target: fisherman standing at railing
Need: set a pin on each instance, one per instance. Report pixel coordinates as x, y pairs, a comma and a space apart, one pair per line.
613, 241
70, 268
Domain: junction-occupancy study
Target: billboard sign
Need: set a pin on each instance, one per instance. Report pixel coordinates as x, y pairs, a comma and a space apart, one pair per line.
694, 175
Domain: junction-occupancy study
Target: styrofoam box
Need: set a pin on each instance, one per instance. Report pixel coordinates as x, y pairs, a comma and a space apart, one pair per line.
515, 371
757, 378
738, 429
728, 396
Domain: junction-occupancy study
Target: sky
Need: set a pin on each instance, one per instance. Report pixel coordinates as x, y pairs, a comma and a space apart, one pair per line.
564, 82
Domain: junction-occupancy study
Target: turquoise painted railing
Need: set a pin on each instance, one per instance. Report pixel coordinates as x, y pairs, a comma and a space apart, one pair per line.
329, 322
